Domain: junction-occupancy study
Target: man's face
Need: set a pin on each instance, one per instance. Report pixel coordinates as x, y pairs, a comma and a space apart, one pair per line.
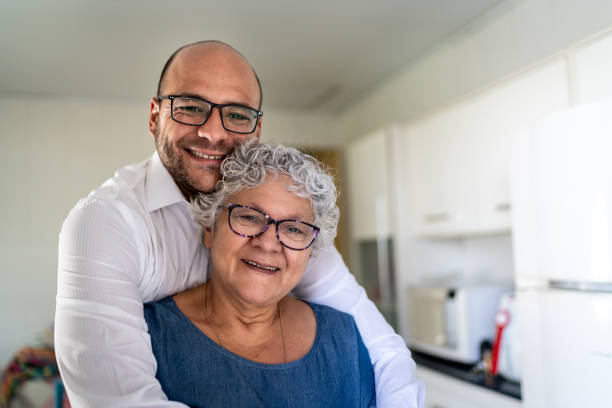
193, 154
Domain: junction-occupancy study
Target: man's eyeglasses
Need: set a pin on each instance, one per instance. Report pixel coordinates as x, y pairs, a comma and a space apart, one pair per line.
249, 222
196, 111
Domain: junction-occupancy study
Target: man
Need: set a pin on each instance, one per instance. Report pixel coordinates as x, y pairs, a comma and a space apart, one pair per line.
133, 240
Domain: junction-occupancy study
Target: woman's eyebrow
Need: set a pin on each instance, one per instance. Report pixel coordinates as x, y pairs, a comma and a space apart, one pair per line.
293, 217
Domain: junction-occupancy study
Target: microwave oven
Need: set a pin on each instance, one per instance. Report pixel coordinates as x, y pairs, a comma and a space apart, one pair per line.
451, 322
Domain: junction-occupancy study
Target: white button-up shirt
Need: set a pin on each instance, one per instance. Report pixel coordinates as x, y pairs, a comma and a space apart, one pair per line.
133, 240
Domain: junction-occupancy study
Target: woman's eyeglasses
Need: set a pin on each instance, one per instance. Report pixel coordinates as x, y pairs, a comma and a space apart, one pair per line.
249, 222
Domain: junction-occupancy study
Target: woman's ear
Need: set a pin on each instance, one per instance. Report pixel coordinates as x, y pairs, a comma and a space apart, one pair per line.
207, 238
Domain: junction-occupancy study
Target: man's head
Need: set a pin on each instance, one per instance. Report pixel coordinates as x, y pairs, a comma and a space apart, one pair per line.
217, 73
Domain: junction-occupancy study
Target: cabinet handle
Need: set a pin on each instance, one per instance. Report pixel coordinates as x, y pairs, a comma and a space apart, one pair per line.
503, 207
436, 217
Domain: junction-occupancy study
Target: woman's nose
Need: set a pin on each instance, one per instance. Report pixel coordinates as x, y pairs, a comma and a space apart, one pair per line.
268, 240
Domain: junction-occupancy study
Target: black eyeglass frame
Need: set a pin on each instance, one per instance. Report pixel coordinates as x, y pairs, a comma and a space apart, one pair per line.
270, 220
219, 106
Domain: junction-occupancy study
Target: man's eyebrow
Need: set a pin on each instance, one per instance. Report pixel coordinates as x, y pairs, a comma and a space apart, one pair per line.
191, 95
196, 96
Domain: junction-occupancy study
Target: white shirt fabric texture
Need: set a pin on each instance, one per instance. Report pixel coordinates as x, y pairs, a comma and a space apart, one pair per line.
132, 241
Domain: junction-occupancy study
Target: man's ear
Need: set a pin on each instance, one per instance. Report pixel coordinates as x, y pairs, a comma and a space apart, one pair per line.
207, 238
153, 115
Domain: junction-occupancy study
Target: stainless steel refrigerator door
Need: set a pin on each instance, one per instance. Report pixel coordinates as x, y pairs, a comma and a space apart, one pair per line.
566, 348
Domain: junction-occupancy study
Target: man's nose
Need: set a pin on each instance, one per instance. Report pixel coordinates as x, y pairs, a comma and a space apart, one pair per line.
213, 129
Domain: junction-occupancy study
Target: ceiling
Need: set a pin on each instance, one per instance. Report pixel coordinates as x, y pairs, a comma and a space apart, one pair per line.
315, 56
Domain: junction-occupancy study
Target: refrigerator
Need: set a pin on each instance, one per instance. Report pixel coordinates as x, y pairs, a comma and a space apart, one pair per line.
561, 183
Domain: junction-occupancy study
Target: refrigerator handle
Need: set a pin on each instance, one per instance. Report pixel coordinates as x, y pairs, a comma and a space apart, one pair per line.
382, 249
581, 286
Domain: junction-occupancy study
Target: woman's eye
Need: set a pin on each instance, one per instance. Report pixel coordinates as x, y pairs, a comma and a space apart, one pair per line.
295, 231
248, 218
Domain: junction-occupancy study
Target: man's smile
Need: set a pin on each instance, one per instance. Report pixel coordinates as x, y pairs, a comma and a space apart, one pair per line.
206, 156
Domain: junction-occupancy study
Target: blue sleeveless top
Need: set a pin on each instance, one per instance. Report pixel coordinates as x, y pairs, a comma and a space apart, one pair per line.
194, 370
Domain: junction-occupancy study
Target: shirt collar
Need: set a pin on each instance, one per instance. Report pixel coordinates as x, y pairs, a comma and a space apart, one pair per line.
161, 189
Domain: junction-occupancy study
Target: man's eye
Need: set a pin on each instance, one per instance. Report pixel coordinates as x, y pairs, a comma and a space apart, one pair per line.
190, 109
237, 117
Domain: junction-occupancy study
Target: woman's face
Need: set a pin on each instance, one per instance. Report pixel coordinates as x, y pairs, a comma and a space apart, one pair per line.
235, 258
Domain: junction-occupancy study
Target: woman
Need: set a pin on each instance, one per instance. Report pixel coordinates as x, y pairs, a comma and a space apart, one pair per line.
240, 340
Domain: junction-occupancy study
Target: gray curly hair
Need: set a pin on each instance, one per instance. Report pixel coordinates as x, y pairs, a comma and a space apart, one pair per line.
249, 165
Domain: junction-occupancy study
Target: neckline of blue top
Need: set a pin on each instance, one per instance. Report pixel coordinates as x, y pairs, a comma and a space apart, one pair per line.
173, 306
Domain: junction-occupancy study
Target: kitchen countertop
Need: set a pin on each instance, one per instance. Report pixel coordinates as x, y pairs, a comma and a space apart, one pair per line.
466, 373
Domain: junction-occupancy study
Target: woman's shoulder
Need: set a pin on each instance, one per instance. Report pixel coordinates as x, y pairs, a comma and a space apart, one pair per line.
331, 315
316, 310
158, 311
183, 302
158, 305
164, 315
329, 320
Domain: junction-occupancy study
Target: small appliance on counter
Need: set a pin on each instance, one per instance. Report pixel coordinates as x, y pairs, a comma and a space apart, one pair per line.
451, 321
506, 350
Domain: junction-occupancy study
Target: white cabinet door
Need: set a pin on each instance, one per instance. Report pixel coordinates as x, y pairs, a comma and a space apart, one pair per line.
442, 391
457, 163
368, 193
593, 65
562, 190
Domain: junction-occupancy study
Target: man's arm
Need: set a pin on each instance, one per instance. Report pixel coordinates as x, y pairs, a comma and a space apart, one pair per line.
328, 281
103, 349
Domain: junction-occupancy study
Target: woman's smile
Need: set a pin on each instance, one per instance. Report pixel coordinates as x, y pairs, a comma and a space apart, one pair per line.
268, 268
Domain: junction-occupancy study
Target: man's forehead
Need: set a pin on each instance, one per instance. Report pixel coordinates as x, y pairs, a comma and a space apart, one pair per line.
210, 65
210, 50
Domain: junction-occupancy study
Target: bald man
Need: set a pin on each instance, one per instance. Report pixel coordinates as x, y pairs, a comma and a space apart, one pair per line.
133, 240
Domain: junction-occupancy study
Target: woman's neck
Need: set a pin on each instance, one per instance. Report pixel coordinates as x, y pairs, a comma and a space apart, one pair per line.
255, 333
227, 312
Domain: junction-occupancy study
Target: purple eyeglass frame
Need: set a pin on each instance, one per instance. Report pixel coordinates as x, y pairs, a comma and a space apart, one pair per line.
269, 220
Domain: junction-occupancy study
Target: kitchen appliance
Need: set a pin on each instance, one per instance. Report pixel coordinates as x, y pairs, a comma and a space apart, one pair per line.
378, 275
451, 321
505, 359
562, 238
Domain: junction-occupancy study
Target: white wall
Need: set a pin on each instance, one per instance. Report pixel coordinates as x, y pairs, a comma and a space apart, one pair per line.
513, 37
306, 130
53, 152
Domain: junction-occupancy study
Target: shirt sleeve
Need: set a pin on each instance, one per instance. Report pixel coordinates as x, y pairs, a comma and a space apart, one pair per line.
327, 281
102, 346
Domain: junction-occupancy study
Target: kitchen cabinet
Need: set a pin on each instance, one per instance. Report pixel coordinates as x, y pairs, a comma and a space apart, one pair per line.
443, 391
457, 161
592, 67
368, 187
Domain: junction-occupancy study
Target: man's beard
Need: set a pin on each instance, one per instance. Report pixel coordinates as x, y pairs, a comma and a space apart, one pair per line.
174, 162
